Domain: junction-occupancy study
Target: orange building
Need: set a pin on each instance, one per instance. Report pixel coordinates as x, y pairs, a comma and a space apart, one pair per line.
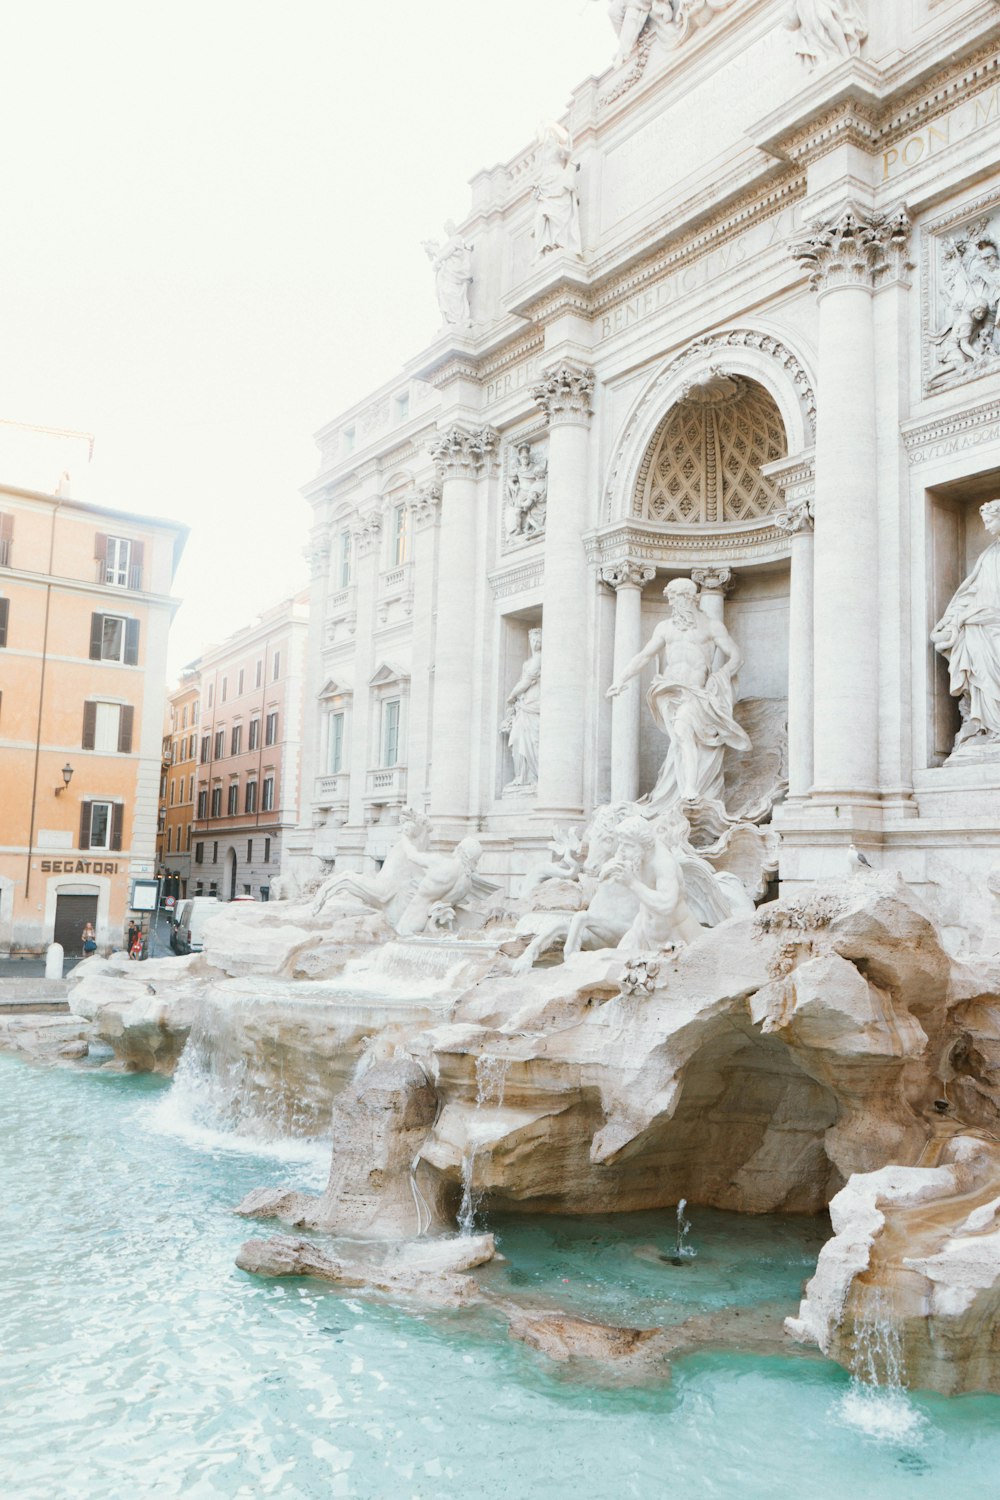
177, 785
85, 608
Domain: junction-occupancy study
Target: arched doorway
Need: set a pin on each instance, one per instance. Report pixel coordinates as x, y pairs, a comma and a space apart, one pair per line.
230, 886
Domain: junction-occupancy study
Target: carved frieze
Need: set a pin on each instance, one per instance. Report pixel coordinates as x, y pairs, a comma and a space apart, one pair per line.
424, 504
517, 580
367, 531
962, 297
564, 392
857, 247
525, 487
463, 453
826, 30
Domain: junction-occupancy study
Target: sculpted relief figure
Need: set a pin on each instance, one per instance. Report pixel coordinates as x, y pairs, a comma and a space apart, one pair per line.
452, 262
557, 202
448, 880
968, 634
690, 698
387, 889
970, 267
521, 726
527, 490
647, 867
826, 29
628, 17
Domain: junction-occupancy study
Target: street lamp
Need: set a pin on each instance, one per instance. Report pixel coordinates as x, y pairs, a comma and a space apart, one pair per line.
67, 774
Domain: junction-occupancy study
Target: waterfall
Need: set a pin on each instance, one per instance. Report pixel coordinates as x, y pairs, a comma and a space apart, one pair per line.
878, 1402
683, 1252
491, 1080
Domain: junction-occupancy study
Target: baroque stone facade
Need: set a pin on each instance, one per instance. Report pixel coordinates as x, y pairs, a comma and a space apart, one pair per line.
732, 319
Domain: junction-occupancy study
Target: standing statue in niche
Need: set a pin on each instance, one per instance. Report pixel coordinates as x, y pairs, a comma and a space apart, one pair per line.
557, 210
968, 634
452, 262
690, 698
527, 489
827, 29
521, 725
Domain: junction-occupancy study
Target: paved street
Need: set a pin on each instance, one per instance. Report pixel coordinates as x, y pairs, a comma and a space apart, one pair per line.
34, 968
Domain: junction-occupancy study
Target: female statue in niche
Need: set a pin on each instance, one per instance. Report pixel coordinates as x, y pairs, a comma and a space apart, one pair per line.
968, 634
452, 264
557, 211
522, 722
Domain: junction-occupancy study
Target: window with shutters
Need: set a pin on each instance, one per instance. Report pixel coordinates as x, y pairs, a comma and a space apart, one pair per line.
199, 854
187, 844
203, 803
190, 795
173, 793
233, 800
276, 666
211, 693
6, 540
107, 727
240, 682
170, 841
184, 719
249, 851
267, 795
250, 797
258, 674
4, 613
119, 561
390, 732
271, 728
101, 824
206, 748
216, 802
195, 712
225, 690
114, 638
267, 851
236, 740
253, 734
220, 743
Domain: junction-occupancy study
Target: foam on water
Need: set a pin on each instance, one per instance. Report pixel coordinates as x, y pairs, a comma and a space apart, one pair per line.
883, 1415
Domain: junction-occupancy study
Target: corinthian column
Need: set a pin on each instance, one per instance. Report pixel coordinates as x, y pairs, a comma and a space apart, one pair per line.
847, 257
797, 523
713, 586
462, 458
627, 580
564, 395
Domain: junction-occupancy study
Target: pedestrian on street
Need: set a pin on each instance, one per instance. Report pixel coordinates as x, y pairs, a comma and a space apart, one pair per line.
88, 940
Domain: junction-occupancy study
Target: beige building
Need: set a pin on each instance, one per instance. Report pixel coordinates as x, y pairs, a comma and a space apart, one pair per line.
177, 784
85, 608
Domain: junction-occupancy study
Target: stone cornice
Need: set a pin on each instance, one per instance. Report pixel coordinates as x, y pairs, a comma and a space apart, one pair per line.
952, 432
519, 580
564, 392
794, 477
857, 246
646, 542
463, 453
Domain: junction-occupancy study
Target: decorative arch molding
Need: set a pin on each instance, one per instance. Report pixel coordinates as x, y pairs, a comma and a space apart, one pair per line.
752, 353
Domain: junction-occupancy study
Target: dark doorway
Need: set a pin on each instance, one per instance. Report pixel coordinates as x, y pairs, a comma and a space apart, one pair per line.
232, 873
72, 915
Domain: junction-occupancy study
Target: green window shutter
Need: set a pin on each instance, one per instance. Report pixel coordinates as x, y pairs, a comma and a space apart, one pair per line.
125, 730
96, 636
117, 819
4, 615
131, 643
84, 824
89, 725
135, 565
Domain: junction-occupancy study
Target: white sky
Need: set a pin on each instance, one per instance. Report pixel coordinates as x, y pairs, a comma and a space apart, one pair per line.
212, 221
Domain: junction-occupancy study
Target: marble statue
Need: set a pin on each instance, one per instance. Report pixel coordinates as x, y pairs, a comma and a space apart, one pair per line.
968, 634
648, 867
521, 726
391, 885
827, 29
452, 262
690, 698
970, 268
527, 491
448, 880
557, 202
629, 18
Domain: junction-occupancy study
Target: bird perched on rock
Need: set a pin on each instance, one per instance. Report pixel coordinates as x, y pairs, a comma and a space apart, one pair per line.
856, 861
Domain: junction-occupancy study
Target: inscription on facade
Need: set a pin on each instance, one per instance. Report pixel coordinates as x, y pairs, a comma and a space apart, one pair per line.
964, 120
79, 867
515, 379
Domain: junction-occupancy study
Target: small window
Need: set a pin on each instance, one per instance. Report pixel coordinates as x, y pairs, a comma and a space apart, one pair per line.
107, 727
199, 854
236, 740
173, 789
195, 712
233, 801
190, 795
119, 561
276, 666
336, 756
215, 852
271, 728
239, 682
253, 734
267, 851
4, 613
170, 841
225, 689
184, 719
114, 638
211, 693
216, 802
400, 536
250, 797
267, 795
6, 540
206, 748
188, 843
390, 732
345, 558
101, 825
203, 803
258, 674
249, 851
220, 743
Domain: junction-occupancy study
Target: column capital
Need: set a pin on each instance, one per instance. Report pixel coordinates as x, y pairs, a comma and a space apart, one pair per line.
713, 580
564, 392
317, 551
627, 574
796, 519
464, 452
424, 504
855, 247
366, 532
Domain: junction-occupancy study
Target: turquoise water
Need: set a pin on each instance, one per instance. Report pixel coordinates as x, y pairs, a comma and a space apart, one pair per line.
137, 1361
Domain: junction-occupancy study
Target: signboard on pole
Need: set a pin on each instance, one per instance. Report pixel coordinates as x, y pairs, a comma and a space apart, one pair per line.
145, 895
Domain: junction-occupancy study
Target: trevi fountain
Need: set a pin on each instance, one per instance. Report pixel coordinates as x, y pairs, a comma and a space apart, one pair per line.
625, 1122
